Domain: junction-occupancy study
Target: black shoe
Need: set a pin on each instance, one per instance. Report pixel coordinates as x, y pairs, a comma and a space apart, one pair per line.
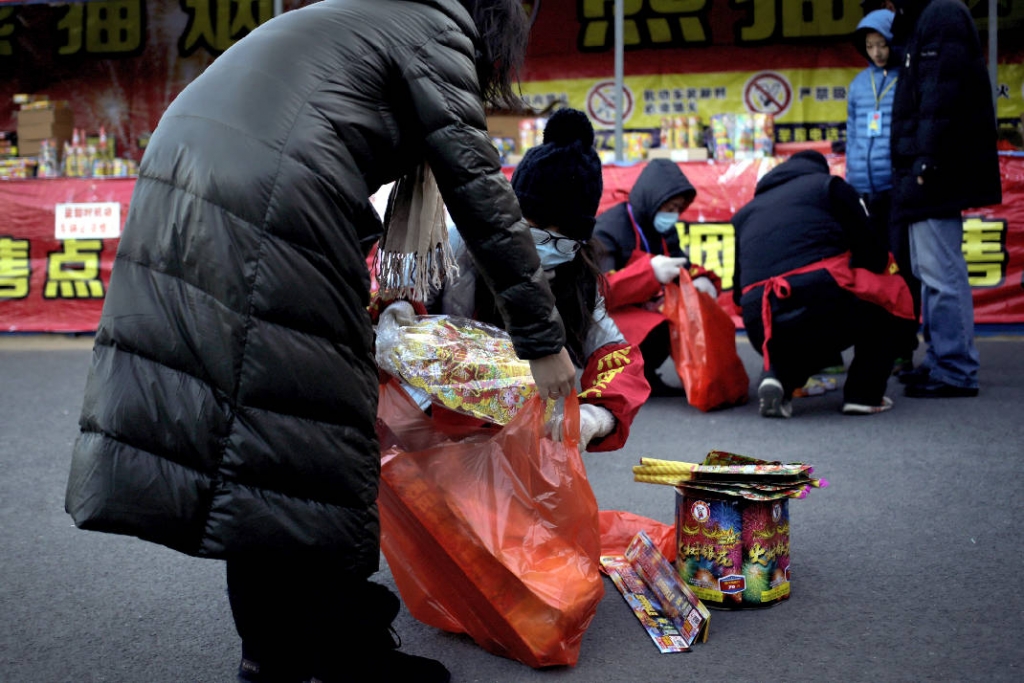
918, 375
251, 671
936, 389
902, 366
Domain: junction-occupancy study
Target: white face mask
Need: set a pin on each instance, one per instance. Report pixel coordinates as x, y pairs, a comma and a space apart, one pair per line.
665, 221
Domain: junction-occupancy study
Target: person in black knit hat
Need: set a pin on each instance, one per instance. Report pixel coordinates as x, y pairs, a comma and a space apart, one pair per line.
559, 187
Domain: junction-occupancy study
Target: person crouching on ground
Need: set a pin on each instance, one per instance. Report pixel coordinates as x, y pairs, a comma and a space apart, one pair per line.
642, 254
812, 280
559, 185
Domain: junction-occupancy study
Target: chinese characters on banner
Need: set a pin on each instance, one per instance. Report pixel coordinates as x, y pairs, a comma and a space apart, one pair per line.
119, 63
57, 285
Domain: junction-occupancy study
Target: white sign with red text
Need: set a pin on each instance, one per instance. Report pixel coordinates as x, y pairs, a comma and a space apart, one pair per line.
88, 220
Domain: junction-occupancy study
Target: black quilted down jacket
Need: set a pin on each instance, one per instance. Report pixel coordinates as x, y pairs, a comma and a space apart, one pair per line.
231, 401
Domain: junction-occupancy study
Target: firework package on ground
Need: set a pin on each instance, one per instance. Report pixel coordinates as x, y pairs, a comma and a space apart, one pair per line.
732, 524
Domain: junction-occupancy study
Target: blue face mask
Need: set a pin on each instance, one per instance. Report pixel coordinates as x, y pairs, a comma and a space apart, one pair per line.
553, 250
550, 257
665, 221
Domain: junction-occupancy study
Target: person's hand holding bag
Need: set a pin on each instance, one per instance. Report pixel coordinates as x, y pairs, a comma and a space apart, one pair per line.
666, 268
595, 421
704, 284
554, 375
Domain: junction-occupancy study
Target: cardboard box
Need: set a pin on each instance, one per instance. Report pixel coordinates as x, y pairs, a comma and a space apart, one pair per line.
58, 113
506, 125
731, 551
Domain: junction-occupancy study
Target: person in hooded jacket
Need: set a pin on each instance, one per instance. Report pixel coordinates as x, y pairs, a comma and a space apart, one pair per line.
231, 402
641, 254
945, 161
868, 161
812, 280
559, 184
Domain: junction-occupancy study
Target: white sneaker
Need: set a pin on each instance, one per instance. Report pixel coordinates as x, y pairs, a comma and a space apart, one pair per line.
772, 399
861, 409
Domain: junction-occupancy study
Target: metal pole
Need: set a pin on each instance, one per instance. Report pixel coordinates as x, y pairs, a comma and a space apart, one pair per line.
993, 50
619, 80
278, 7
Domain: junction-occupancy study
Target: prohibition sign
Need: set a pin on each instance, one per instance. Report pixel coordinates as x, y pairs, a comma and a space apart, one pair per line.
601, 103
767, 93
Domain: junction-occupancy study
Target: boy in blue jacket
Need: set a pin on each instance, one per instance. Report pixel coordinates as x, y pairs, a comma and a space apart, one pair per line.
868, 158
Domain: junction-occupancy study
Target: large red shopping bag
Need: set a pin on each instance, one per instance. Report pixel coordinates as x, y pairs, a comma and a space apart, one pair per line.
704, 347
494, 535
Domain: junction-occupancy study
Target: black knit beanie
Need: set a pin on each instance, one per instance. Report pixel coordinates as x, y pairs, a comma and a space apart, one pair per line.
559, 183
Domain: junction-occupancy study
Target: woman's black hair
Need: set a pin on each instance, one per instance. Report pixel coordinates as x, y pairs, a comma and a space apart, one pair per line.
504, 29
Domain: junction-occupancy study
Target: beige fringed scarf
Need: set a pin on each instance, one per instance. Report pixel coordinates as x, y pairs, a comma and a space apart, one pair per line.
414, 256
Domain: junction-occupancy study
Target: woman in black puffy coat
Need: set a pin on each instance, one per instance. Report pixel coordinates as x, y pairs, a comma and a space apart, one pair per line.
230, 407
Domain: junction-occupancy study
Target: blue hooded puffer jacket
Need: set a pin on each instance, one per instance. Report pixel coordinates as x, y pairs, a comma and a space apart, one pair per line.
868, 158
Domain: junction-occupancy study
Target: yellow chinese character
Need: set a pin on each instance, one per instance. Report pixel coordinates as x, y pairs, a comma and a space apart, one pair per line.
801, 19
15, 268
6, 31
74, 271
762, 20
984, 250
111, 27
216, 25
712, 245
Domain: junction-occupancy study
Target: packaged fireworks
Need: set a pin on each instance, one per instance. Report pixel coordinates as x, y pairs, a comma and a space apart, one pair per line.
464, 365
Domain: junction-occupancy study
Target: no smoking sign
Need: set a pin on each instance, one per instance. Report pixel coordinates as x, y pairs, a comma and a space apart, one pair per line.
768, 93
601, 103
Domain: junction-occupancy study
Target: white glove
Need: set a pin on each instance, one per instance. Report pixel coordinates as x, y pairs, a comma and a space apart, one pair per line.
398, 314
666, 268
704, 284
595, 421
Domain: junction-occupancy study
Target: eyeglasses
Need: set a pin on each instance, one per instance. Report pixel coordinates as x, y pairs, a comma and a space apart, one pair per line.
563, 245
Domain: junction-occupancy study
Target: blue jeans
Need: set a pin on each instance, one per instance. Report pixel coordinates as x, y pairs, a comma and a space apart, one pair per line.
947, 309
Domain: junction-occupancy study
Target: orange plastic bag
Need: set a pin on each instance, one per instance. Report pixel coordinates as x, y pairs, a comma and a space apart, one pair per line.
618, 528
704, 347
494, 535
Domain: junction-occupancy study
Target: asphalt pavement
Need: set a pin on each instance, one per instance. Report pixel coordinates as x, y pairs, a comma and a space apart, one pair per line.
907, 568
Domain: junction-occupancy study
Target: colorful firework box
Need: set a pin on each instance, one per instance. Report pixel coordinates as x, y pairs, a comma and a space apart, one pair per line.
733, 552
669, 611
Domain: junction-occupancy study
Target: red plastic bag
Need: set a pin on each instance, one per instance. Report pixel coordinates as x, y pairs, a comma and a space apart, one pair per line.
704, 347
618, 528
494, 535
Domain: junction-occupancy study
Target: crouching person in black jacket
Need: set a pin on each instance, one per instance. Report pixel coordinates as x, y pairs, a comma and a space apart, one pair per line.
813, 280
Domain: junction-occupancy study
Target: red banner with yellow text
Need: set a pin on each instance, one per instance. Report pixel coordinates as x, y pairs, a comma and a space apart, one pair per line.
56, 256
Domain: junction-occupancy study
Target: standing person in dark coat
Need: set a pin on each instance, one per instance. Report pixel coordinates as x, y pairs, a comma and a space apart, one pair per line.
944, 161
812, 281
231, 404
642, 254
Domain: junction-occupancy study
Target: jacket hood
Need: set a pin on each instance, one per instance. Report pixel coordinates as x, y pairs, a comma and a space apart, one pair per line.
660, 180
879, 21
800, 164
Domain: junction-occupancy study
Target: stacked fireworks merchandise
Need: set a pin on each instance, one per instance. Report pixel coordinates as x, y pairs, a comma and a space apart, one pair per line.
736, 137
681, 132
93, 156
732, 524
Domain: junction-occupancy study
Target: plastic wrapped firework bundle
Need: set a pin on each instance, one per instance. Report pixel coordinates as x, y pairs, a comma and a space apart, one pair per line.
461, 364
